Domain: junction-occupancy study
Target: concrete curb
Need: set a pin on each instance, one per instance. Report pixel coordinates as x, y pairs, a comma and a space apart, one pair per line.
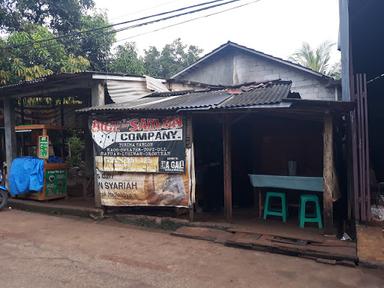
172, 224
371, 265
165, 223
56, 209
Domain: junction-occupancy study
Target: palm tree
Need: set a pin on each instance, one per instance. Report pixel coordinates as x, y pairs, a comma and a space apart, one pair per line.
315, 59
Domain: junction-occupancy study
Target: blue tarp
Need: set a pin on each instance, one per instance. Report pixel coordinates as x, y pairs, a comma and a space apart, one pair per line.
55, 159
26, 175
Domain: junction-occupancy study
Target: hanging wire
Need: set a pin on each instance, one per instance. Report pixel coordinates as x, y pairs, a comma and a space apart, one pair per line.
375, 78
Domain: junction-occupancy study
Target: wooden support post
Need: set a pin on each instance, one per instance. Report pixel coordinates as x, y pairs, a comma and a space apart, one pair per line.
328, 174
10, 134
22, 120
89, 162
260, 199
62, 123
191, 166
97, 99
88, 155
22, 111
227, 168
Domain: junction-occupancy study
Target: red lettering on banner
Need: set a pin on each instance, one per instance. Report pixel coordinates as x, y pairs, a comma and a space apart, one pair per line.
156, 124
134, 123
142, 124
178, 122
105, 127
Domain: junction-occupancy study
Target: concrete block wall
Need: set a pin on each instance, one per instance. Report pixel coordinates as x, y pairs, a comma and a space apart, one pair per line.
217, 72
239, 67
253, 68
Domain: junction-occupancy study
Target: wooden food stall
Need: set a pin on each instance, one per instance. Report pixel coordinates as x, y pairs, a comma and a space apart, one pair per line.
45, 142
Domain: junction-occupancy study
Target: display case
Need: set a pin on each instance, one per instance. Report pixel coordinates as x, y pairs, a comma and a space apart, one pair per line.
45, 142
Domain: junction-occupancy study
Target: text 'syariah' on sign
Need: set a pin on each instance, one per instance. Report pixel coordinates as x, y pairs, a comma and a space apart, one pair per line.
143, 189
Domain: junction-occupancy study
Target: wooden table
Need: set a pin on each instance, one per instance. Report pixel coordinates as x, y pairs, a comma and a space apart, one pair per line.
301, 183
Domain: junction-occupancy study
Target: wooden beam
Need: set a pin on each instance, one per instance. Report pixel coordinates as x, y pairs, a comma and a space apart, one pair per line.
328, 174
62, 124
97, 99
191, 164
227, 143
89, 158
10, 134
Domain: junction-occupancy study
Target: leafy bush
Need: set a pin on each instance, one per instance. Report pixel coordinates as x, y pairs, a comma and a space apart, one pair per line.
76, 150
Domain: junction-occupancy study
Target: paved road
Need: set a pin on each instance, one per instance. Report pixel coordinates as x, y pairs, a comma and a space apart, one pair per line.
47, 251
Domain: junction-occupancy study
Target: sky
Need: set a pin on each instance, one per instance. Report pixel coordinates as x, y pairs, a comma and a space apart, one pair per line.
276, 27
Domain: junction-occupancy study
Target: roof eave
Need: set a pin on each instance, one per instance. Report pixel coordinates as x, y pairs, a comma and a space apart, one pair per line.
326, 105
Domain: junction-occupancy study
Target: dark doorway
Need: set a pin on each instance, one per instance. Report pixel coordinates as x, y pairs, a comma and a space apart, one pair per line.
208, 149
267, 145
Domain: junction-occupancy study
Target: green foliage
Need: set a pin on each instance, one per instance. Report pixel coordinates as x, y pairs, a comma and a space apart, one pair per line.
47, 101
61, 16
152, 62
74, 64
76, 149
172, 58
95, 46
25, 21
169, 60
26, 62
316, 59
126, 60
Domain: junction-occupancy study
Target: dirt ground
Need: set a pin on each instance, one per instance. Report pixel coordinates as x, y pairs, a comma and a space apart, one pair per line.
39, 250
370, 243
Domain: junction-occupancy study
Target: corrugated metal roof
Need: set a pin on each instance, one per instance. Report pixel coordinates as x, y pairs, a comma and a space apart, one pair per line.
124, 91
155, 84
190, 101
224, 98
121, 87
265, 94
53, 78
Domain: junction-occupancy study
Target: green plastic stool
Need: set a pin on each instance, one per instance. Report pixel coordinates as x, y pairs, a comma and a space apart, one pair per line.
304, 217
267, 209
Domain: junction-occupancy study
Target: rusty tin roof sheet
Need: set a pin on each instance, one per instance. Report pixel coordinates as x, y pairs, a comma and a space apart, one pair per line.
249, 95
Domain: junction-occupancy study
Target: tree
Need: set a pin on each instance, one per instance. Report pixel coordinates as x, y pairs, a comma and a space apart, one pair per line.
317, 59
335, 71
95, 46
26, 62
126, 60
172, 58
61, 16
152, 62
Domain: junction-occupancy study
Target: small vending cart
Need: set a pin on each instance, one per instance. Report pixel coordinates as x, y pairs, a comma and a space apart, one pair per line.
45, 142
